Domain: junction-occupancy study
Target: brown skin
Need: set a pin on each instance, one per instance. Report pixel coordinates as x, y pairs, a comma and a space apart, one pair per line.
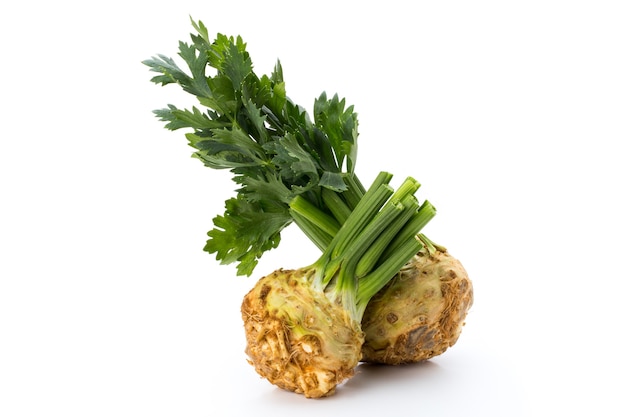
420, 313
296, 338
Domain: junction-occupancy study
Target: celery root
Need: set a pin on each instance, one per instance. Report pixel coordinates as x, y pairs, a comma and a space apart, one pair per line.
296, 338
303, 327
420, 313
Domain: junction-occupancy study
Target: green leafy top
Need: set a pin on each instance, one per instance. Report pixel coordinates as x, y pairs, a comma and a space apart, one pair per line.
248, 125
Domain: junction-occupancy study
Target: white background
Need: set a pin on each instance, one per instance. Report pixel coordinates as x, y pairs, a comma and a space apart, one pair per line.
511, 115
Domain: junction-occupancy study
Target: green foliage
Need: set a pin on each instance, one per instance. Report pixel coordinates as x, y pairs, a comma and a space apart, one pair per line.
247, 125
